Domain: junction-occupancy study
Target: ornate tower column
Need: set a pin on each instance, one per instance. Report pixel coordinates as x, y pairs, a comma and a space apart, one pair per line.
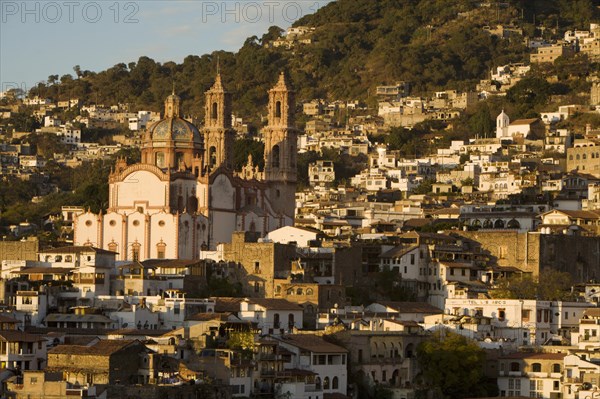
281, 140
218, 134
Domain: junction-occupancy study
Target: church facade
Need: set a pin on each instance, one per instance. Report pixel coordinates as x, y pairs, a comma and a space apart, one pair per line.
184, 195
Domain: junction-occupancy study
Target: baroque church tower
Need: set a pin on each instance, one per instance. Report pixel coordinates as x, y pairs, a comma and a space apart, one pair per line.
281, 137
218, 134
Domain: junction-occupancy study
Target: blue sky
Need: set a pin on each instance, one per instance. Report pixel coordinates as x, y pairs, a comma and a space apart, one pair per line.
42, 38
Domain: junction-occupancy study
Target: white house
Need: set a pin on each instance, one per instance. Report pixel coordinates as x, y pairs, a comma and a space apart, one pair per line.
301, 236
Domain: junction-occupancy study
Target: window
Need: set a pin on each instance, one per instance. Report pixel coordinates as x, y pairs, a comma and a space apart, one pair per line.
335, 383
412, 259
501, 314
326, 383
213, 112
278, 109
275, 156
536, 367
514, 366
135, 252
212, 156
161, 250
556, 368
257, 267
256, 286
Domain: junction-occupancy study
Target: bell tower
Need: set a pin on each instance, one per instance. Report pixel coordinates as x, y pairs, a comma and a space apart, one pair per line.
218, 134
280, 137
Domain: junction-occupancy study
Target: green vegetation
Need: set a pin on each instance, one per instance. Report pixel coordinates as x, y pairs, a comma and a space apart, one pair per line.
552, 285
358, 44
453, 366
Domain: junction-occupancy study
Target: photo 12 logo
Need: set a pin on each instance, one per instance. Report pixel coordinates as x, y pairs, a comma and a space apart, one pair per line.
12, 89
256, 11
69, 11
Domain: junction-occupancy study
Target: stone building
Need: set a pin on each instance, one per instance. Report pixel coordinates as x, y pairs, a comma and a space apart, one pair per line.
260, 263
533, 252
103, 362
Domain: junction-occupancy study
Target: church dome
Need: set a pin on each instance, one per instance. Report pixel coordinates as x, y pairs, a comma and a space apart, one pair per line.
175, 129
172, 142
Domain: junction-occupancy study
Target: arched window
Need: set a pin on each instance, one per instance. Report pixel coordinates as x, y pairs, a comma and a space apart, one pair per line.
536, 367
160, 159
488, 224
68, 258
326, 383
513, 224
278, 109
571, 157
192, 204
335, 383
299, 291
161, 249
135, 251
309, 291
212, 156
556, 368
318, 383
584, 156
275, 156
409, 351
499, 224
213, 111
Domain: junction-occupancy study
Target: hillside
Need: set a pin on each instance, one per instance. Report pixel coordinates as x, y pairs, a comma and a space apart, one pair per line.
357, 45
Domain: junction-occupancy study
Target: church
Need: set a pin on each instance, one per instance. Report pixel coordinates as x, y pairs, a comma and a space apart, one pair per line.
185, 196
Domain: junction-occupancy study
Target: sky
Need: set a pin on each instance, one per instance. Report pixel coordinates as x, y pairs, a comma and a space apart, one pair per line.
43, 38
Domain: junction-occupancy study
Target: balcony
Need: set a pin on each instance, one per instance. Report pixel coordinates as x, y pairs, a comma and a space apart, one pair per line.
77, 392
267, 373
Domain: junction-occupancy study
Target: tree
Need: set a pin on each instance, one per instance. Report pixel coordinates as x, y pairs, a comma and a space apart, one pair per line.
552, 285
77, 70
453, 365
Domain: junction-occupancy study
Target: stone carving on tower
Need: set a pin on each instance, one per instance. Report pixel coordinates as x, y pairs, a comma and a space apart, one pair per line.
218, 134
280, 137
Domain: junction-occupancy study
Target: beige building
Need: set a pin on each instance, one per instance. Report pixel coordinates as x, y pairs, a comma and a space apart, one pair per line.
584, 157
550, 53
531, 375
